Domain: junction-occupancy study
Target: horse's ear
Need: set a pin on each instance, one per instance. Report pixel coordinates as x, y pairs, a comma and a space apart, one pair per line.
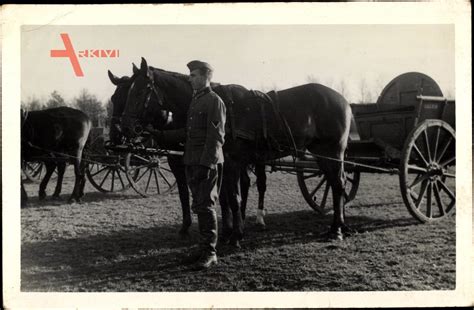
113, 78
144, 67
134, 68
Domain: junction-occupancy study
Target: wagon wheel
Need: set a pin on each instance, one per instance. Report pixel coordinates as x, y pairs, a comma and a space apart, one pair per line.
149, 174
34, 170
316, 190
107, 173
428, 171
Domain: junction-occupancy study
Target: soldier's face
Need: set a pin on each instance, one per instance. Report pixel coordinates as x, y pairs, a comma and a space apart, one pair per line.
198, 80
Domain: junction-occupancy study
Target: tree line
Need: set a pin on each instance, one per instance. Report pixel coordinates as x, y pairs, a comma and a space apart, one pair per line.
98, 112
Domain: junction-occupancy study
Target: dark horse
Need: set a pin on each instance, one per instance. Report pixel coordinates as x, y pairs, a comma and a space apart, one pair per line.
119, 100
308, 117
56, 136
117, 136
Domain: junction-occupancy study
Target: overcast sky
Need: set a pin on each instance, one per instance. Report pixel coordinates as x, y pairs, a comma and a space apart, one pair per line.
257, 57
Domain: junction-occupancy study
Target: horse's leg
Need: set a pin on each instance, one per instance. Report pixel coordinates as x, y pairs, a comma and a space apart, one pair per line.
80, 178
61, 168
82, 184
50, 166
230, 182
334, 171
178, 169
24, 196
244, 189
262, 187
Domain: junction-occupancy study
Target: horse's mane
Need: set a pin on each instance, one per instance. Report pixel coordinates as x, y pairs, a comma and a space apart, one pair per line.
180, 76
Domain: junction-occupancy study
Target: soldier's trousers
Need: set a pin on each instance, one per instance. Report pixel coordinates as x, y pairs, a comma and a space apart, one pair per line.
205, 192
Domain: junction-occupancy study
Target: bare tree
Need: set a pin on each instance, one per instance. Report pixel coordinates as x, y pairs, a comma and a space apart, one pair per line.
341, 87
449, 94
266, 89
109, 110
379, 86
90, 105
329, 82
312, 79
32, 104
365, 95
274, 87
55, 100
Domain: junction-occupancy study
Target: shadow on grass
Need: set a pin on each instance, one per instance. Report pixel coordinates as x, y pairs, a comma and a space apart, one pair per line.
308, 226
94, 262
63, 199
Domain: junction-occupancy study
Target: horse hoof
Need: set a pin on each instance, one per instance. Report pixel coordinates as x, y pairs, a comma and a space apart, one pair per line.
41, 196
261, 226
73, 200
335, 235
55, 197
348, 231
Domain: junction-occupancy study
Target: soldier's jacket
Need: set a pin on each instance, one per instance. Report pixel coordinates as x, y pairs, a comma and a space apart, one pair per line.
205, 130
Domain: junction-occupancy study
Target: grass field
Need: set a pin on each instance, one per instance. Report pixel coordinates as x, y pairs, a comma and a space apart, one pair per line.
121, 242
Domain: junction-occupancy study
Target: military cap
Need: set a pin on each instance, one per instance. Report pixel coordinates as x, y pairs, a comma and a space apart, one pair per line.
196, 64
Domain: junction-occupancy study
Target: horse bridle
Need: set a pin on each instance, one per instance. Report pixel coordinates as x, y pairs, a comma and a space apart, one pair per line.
160, 101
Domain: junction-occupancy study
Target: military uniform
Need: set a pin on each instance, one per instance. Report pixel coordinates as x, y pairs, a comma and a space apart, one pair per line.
203, 158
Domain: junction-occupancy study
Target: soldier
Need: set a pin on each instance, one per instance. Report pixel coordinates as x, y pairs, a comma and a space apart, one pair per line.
203, 158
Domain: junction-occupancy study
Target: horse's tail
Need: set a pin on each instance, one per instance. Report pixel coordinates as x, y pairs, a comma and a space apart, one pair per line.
85, 141
353, 131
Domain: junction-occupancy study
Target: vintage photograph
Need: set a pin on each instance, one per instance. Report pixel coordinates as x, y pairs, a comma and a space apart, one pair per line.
238, 158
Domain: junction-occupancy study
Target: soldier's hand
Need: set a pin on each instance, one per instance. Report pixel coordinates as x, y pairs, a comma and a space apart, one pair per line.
203, 172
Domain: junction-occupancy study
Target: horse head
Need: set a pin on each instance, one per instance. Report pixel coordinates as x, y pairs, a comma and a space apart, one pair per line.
144, 104
118, 99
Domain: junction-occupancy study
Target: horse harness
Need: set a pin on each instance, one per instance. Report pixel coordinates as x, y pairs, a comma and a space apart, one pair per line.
269, 109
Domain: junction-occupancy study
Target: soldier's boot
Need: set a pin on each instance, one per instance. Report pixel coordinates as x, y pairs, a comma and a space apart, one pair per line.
208, 232
205, 261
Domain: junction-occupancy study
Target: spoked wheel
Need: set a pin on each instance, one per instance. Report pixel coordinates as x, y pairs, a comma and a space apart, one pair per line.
317, 192
34, 170
149, 174
107, 173
428, 171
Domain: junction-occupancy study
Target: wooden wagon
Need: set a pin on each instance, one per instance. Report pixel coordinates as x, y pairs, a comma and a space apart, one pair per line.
409, 131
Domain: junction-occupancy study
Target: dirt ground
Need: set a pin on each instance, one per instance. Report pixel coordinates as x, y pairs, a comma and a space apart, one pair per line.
122, 242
